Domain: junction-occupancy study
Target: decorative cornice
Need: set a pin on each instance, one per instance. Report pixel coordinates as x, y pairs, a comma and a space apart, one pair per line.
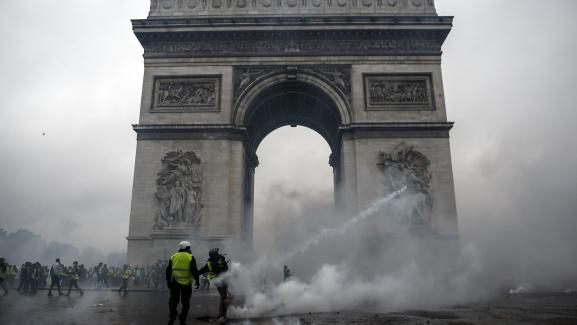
225, 37
397, 130
171, 8
245, 21
292, 43
353, 131
189, 131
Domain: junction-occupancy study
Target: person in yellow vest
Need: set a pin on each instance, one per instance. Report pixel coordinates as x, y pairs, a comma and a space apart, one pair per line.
125, 275
180, 272
215, 266
74, 277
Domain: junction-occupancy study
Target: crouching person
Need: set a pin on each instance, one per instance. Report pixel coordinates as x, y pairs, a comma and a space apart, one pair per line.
215, 266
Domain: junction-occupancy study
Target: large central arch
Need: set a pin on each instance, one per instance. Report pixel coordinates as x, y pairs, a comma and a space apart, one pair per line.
279, 100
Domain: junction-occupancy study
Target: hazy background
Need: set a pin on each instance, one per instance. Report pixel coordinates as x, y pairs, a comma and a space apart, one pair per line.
71, 77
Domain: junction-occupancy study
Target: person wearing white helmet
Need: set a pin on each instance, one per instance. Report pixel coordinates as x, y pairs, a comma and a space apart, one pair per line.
180, 272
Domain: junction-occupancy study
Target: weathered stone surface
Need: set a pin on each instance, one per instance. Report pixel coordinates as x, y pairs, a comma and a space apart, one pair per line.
219, 79
163, 8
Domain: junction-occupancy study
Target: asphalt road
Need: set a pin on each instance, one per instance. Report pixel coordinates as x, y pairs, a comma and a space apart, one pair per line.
138, 308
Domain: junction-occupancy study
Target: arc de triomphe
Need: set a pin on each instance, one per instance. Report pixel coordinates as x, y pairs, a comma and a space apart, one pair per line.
222, 74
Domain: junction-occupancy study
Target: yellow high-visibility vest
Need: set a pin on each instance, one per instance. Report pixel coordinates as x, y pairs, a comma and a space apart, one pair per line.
181, 268
211, 274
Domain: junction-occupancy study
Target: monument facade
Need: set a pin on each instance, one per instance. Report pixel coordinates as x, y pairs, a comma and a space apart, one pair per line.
222, 74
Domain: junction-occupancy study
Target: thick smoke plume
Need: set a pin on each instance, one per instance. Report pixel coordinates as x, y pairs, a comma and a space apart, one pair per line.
378, 263
367, 262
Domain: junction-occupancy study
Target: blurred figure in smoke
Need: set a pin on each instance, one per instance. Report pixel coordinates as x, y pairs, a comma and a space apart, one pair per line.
125, 274
35, 277
215, 266
204, 283
74, 274
180, 271
104, 273
3, 274
55, 273
25, 277
286, 272
98, 275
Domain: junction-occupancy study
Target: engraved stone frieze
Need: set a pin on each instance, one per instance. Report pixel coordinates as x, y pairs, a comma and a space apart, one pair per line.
163, 8
179, 192
186, 94
398, 92
288, 44
404, 166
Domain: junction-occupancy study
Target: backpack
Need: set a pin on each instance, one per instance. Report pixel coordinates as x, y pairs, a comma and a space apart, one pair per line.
219, 264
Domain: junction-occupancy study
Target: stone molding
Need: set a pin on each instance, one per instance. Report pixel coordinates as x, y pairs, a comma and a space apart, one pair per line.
397, 130
189, 132
292, 43
176, 8
353, 131
405, 92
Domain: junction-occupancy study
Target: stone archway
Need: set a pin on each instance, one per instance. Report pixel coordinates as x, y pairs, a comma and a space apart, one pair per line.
365, 75
279, 101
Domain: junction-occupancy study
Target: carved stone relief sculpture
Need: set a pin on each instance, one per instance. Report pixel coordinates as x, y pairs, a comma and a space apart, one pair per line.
397, 92
188, 93
179, 192
404, 166
337, 76
182, 7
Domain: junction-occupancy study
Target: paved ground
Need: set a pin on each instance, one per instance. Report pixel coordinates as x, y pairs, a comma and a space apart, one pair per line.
105, 307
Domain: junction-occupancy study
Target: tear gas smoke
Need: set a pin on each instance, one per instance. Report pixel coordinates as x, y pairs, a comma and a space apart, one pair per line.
414, 280
340, 230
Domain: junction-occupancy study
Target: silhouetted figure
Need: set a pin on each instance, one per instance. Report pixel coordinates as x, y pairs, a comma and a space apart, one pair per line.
25, 277
74, 277
55, 273
125, 275
286, 272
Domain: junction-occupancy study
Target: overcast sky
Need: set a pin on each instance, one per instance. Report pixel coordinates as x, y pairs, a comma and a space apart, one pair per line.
71, 77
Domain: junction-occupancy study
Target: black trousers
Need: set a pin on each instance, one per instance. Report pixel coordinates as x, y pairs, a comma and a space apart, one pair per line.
74, 283
55, 281
124, 286
182, 293
224, 300
2, 285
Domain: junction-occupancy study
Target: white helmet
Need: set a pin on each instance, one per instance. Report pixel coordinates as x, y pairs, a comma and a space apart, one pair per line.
184, 244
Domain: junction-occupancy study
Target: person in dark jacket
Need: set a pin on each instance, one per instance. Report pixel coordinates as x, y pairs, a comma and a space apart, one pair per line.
215, 266
55, 273
180, 272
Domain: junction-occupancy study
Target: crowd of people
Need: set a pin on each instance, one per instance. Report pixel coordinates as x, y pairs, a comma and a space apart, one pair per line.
178, 274
31, 276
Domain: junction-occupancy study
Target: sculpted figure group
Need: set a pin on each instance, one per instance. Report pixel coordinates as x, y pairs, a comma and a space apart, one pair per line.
179, 191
